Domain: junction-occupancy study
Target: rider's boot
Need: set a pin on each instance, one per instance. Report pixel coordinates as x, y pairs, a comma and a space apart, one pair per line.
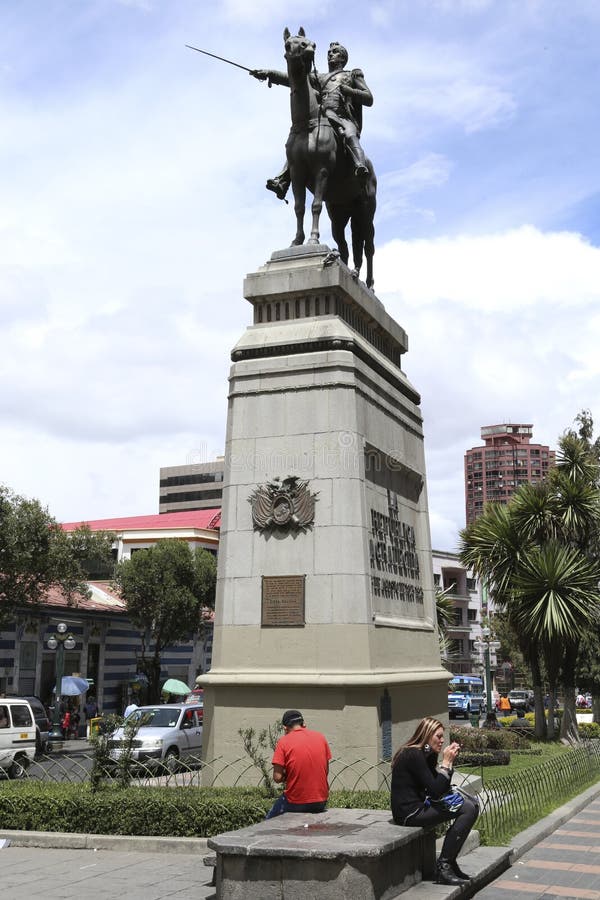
280, 184
358, 157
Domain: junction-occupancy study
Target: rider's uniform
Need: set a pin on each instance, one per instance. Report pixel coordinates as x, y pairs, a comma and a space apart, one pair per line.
344, 111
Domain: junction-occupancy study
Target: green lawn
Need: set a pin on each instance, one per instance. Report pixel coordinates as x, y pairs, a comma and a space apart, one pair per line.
519, 760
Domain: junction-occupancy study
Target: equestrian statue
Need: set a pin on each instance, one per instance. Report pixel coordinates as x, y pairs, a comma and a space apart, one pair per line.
323, 149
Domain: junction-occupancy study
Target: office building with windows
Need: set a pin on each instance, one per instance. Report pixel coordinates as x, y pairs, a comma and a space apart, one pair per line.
195, 486
506, 460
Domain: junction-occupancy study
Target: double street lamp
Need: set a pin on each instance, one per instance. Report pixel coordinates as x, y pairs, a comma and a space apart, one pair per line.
60, 641
486, 644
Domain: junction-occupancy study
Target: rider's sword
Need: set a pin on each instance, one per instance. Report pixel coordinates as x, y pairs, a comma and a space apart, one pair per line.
222, 58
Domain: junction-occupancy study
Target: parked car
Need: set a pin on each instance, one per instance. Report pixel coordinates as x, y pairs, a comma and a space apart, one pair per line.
42, 723
161, 734
460, 704
521, 699
17, 736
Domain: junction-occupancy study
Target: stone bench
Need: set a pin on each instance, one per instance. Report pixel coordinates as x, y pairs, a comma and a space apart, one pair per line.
340, 854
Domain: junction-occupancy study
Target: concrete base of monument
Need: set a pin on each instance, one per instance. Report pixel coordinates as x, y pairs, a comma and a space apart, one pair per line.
364, 723
341, 854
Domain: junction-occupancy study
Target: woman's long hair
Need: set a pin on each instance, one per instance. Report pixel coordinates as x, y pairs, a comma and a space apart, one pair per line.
424, 731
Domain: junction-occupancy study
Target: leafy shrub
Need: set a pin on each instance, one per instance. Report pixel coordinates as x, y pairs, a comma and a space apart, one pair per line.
180, 812
485, 758
359, 799
478, 739
174, 812
588, 730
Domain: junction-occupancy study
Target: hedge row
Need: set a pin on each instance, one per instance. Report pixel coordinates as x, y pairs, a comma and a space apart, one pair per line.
485, 758
173, 812
481, 739
589, 730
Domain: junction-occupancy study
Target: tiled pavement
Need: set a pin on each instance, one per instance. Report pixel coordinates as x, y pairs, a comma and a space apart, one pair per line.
61, 874
564, 864
558, 857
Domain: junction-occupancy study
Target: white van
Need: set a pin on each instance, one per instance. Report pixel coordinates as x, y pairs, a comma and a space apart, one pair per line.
17, 736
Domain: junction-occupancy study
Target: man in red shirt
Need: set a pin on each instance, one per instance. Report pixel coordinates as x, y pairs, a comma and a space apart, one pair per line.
301, 760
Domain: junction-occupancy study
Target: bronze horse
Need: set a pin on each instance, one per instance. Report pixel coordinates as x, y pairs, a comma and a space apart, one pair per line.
317, 161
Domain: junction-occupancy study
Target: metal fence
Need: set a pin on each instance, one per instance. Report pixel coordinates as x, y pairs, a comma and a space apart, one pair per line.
78, 766
508, 804
513, 802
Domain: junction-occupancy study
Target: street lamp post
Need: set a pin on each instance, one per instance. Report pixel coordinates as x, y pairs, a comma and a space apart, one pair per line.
60, 641
486, 644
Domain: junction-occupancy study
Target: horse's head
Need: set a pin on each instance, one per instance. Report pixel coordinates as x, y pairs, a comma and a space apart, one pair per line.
299, 48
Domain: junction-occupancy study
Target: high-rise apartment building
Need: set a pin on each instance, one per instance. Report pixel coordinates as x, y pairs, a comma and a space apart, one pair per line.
506, 460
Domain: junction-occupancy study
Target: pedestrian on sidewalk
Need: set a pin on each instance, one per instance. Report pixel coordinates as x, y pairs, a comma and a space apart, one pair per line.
504, 705
418, 786
301, 761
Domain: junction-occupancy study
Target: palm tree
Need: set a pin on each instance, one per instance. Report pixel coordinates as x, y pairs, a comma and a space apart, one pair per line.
494, 549
444, 611
532, 553
554, 603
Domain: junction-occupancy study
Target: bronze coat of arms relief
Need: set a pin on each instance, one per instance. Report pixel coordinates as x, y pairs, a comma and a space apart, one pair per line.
285, 504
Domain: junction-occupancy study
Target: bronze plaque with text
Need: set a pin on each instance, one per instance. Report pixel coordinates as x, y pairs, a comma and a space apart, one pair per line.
283, 601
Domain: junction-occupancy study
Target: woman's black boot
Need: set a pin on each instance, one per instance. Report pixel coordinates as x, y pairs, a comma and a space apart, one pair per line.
444, 873
459, 872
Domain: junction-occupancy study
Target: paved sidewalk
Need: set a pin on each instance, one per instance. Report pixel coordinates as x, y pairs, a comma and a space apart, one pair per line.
565, 863
31, 872
558, 857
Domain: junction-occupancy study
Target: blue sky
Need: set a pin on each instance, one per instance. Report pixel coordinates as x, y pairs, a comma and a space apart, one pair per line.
132, 178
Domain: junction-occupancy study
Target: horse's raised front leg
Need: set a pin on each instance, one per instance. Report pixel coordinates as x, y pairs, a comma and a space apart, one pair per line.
317, 205
299, 190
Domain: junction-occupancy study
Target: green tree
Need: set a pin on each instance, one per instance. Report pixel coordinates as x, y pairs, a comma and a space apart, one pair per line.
165, 589
37, 555
533, 554
587, 674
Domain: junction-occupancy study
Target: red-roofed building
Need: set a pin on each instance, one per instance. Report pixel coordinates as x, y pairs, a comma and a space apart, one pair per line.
107, 643
200, 528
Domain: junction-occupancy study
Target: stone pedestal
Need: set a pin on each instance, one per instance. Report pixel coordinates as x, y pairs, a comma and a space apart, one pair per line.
333, 616
342, 854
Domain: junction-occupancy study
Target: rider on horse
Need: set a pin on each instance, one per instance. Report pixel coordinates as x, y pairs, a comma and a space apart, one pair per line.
342, 95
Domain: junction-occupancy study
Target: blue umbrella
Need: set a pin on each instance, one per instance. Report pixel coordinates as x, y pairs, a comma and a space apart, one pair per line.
72, 686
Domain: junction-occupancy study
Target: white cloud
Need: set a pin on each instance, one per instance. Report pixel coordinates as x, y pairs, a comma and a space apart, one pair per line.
506, 272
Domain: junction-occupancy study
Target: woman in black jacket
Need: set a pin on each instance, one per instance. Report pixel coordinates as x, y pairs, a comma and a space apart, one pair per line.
417, 780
